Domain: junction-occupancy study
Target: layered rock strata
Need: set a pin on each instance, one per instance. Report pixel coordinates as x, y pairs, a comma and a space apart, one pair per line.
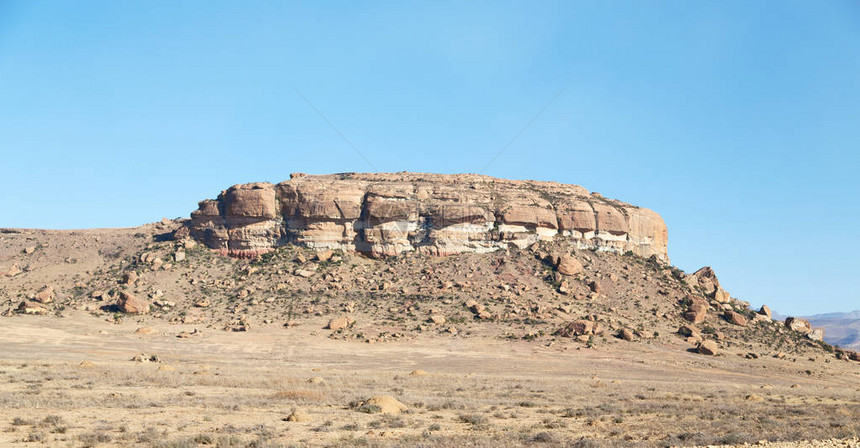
387, 214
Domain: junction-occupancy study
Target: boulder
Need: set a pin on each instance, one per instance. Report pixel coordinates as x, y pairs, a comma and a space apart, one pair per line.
625, 334
384, 404
130, 304
341, 322
708, 347
44, 295
816, 334
735, 318
697, 310
299, 417
722, 296
568, 265
690, 331
765, 311
705, 279
32, 308
129, 278
437, 319
579, 327
799, 325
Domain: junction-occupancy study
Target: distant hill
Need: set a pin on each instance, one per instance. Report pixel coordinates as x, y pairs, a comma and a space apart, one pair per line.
842, 329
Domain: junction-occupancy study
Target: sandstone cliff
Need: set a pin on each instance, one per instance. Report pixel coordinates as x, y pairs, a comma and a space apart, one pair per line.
390, 213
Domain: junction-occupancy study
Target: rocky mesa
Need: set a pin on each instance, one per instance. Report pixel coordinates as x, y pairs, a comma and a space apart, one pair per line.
382, 214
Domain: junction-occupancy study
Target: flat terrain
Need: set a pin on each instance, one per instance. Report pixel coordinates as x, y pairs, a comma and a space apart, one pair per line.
236, 389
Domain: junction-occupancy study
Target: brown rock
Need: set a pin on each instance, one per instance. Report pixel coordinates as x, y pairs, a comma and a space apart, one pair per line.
578, 328
13, 271
735, 318
799, 325
131, 304
708, 348
722, 296
299, 417
697, 310
324, 255
129, 278
145, 331
816, 334
340, 322
690, 331
202, 303
568, 265
384, 404
45, 295
29, 250
626, 334
32, 308
437, 319
765, 311
596, 287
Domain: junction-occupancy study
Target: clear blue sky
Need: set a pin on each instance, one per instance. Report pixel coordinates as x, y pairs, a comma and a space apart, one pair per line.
737, 121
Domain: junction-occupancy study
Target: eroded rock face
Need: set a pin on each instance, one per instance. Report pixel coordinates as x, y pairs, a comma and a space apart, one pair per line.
386, 214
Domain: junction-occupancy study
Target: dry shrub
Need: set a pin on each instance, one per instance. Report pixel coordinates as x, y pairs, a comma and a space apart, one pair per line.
301, 395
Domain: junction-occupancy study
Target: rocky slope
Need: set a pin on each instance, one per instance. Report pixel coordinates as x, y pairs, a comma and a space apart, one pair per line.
388, 214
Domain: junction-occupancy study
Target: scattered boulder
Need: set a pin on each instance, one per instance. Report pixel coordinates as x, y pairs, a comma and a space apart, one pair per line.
324, 255
568, 265
45, 295
579, 327
478, 310
816, 334
143, 357
733, 317
129, 278
705, 279
179, 256
381, 404
202, 303
144, 331
130, 304
799, 325
32, 309
708, 347
305, 273
690, 331
596, 287
437, 319
722, 296
13, 271
29, 250
765, 311
298, 417
697, 310
625, 334
341, 322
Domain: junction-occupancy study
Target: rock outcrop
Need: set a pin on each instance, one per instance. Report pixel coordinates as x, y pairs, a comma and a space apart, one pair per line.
388, 214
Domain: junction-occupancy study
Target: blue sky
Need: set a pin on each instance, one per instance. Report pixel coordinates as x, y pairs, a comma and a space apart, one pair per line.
737, 121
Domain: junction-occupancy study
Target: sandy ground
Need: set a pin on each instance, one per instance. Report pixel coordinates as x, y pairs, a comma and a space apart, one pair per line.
243, 385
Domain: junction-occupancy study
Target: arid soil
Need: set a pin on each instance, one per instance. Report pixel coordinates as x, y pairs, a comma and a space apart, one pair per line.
237, 353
